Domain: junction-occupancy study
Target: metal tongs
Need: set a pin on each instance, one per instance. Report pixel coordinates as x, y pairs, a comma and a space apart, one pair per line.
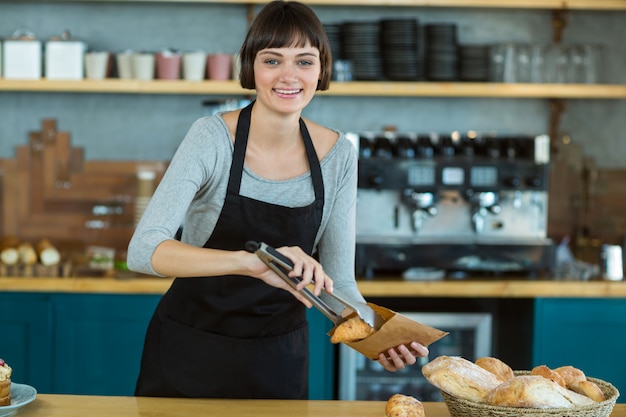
282, 265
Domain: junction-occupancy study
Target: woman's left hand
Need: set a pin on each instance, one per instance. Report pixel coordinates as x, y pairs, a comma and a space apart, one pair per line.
399, 357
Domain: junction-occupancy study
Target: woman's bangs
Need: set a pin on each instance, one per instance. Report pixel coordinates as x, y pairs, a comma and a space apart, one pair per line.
291, 37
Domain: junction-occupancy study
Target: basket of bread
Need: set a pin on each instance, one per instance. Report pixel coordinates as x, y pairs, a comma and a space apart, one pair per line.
490, 388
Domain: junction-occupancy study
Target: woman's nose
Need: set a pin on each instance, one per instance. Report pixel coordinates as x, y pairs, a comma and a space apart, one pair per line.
288, 72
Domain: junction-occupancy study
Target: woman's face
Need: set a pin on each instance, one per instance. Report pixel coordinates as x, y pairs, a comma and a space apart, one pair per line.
286, 78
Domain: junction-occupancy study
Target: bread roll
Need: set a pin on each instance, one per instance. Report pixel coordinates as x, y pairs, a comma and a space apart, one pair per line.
535, 391
404, 406
461, 378
588, 389
570, 374
9, 255
544, 371
351, 330
496, 367
48, 254
27, 253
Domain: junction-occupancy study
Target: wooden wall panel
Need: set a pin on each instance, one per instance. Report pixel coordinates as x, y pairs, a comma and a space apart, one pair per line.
50, 191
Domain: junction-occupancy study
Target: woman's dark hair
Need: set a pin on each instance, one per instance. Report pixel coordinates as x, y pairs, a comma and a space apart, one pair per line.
284, 24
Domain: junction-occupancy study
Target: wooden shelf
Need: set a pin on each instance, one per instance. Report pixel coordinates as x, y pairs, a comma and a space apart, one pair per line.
494, 90
369, 288
519, 4
355, 88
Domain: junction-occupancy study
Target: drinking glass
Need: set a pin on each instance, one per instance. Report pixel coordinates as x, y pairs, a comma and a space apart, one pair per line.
592, 55
522, 63
502, 63
537, 63
556, 64
575, 70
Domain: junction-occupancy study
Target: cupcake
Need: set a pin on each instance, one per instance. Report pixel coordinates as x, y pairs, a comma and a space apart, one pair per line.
5, 383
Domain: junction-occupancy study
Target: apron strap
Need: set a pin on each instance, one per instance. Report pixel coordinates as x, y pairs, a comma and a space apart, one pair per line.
314, 164
239, 152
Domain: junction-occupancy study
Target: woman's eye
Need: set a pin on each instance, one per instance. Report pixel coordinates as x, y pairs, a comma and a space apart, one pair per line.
304, 62
271, 61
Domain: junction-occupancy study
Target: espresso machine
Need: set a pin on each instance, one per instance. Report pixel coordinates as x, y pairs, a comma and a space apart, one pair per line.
455, 203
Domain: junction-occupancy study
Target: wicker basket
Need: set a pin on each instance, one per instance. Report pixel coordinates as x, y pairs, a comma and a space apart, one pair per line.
464, 408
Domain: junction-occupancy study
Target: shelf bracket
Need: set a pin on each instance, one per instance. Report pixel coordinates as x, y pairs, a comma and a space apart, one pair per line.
557, 108
250, 15
560, 18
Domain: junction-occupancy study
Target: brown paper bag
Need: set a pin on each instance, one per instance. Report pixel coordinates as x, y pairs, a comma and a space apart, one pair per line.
397, 330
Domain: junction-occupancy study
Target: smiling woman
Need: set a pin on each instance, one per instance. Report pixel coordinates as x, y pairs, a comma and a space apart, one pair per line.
229, 326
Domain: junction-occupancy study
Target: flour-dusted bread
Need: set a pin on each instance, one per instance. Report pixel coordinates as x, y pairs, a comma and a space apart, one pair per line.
404, 406
351, 330
535, 391
496, 367
588, 389
570, 374
576, 380
544, 371
461, 378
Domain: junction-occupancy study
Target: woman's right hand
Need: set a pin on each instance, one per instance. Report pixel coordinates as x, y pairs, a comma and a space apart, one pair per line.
305, 267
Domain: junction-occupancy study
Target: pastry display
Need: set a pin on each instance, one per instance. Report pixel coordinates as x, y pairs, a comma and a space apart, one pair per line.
351, 330
5, 383
400, 405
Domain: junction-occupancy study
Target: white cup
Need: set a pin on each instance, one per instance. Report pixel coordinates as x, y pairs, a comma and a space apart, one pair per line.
194, 65
143, 64
124, 64
96, 65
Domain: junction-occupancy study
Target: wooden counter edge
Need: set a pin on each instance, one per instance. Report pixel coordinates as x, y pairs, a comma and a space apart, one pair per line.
51, 405
369, 288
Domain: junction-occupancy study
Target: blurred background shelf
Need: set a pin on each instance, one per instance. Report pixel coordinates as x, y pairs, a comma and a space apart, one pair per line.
526, 4
354, 88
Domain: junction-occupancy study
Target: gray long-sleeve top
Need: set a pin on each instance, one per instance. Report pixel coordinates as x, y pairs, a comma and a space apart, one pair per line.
193, 189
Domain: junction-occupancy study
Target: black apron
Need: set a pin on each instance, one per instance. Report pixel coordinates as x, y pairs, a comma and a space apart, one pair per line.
236, 336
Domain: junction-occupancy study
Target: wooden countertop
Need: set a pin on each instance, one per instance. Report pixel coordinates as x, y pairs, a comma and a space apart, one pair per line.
471, 288
95, 406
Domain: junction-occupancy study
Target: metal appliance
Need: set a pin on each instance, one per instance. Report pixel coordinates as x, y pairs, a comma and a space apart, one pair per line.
363, 379
453, 202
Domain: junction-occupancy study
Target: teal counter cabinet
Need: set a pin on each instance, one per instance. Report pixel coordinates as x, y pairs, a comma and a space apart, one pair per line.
588, 333
74, 343
26, 338
91, 343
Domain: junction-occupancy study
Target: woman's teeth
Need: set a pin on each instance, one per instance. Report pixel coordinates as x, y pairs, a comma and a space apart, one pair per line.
287, 91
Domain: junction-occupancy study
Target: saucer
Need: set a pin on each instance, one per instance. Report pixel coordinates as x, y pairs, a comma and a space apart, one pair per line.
21, 395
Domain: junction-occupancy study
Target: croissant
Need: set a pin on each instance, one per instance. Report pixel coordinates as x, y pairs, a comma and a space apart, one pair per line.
351, 330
